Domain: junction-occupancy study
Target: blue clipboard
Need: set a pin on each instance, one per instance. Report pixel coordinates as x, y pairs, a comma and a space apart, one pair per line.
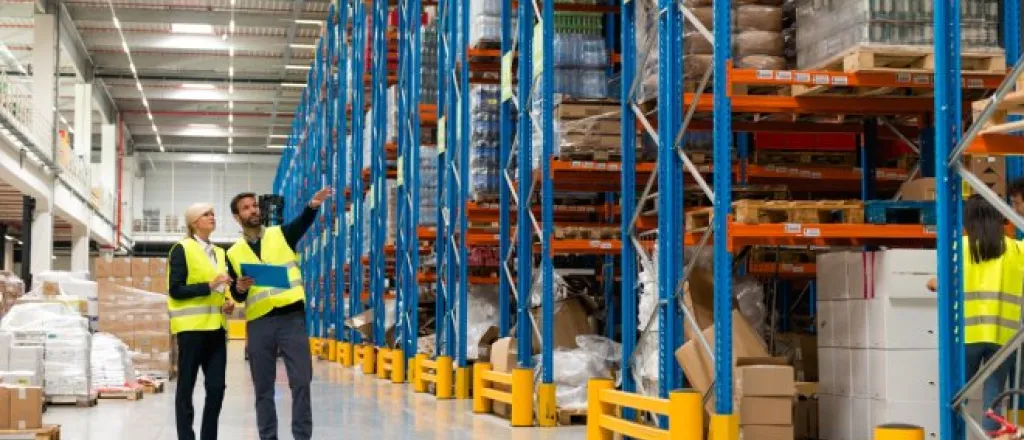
267, 275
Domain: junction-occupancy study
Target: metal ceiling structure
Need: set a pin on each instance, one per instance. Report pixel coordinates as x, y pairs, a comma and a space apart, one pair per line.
211, 85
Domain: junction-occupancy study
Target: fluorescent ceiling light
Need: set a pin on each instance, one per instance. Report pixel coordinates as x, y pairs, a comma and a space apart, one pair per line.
275, 147
294, 85
279, 136
231, 71
203, 125
196, 86
316, 22
117, 23
188, 28
231, 26
296, 67
302, 46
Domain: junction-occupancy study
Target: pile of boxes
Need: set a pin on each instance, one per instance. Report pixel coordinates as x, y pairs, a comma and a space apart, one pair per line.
21, 407
49, 345
764, 397
149, 274
140, 320
876, 317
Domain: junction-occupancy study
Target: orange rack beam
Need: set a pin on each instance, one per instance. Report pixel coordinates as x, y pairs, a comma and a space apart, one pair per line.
923, 80
784, 270
840, 234
996, 144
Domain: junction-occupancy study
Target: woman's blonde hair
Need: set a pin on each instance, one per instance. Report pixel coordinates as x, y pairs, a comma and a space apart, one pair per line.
193, 213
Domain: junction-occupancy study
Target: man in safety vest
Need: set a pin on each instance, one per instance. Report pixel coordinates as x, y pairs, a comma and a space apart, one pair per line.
276, 316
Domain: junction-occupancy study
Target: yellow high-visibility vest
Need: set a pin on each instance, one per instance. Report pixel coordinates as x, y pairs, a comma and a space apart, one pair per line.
274, 249
993, 291
205, 312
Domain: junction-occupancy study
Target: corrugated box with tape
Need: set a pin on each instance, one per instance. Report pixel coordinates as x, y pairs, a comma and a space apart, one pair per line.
764, 393
21, 407
140, 320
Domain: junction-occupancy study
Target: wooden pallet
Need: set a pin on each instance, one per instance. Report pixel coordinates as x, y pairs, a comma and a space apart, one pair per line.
79, 401
568, 417
900, 213
783, 211
1012, 105
813, 158
602, 155
154, 387
47, 432
907, 60
127, 393
782, 255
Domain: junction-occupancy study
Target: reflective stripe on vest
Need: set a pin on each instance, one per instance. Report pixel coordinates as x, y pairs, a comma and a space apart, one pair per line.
274, 249
201, 313
994, 296
193, 311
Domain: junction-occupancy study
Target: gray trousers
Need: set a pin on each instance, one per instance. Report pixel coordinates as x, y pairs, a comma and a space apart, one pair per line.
266, 336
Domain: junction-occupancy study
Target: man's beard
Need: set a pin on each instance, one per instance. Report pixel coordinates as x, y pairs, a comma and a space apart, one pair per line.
253, 222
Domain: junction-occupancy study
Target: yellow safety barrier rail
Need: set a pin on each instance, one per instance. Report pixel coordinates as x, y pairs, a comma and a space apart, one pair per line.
345, 354
314, 346
329, 350
684, 410
365, 357
519, 398
397, 365
384, 363
899, 432
438, 372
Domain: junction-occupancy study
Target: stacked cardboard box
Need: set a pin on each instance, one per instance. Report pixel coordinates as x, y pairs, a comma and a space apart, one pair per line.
11, 288
875, 317
149, 274
21, 407
140, 320
764, 398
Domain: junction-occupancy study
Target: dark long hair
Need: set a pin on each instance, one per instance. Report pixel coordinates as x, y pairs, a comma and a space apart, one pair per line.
986, 237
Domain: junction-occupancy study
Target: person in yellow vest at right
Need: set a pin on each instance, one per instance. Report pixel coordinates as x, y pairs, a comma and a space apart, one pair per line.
276, 317
197, 279
993, 281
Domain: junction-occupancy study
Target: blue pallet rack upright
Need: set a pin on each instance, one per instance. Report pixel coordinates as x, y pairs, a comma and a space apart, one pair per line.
378, 172
357, 83
447, 279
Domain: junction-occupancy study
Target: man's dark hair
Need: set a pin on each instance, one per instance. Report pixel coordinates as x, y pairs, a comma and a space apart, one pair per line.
1016, 188
238, 198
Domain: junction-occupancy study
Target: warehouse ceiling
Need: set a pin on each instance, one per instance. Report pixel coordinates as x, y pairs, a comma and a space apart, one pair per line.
210, 86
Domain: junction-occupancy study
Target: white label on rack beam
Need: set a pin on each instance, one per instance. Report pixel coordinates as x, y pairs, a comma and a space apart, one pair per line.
903, 77
802, 77
812, 232
975, 83
764, 74
805, 173
822, 79
602, 166
841, 80
784, 75
595, 243
922, 79
796, 268
930, 229
815, 175
506, 76
791, 228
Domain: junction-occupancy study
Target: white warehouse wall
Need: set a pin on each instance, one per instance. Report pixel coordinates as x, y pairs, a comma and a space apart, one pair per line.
173, 186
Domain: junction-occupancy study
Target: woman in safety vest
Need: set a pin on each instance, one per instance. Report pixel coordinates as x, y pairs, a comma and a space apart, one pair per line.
197, 279
993, 281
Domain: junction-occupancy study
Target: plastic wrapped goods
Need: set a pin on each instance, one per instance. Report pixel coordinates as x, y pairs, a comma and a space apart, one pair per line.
827, 29
111, 362
573, 368
482, 313
66, 342
140, 320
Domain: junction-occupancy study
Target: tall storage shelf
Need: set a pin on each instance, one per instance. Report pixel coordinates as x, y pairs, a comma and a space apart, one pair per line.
341, 137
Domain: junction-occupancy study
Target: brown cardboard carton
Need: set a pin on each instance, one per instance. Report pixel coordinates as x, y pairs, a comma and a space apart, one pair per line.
991, 170
700, 299
159, 284
758, 378
571, 319
922, 189
158, 267
765, 411
5, 405
140, 267
484, 344
50, 288
766, 432
142, 283
103, 266
122, 267
26, 405
504, 353
697, 366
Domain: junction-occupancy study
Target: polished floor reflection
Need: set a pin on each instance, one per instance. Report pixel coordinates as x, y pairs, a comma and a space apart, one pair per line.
345, 404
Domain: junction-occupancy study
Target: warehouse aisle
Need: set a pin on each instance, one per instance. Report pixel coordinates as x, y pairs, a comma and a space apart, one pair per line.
346, 403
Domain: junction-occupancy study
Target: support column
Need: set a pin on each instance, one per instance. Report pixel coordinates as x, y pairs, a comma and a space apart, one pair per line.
79, 248
44, 64
28, 207
108, 156
8, 260
4, 250
83, 121
42, 239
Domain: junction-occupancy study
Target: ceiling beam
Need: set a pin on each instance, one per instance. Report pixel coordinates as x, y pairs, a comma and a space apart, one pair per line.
206, 16
74, 47
271, 158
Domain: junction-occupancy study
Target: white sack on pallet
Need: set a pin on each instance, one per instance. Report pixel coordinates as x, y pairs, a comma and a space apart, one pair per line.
596, 357
111, 362
66, 342
482, 313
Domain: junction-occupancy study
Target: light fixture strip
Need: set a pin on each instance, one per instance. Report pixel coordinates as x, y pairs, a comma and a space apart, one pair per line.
135, 74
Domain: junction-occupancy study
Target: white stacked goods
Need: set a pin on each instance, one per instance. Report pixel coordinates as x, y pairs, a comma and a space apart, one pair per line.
596, 357
70, 287
482, 314
20, 364
64, 339
875, 317
111, 363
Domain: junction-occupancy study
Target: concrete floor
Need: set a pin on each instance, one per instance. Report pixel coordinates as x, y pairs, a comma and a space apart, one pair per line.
345, 403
